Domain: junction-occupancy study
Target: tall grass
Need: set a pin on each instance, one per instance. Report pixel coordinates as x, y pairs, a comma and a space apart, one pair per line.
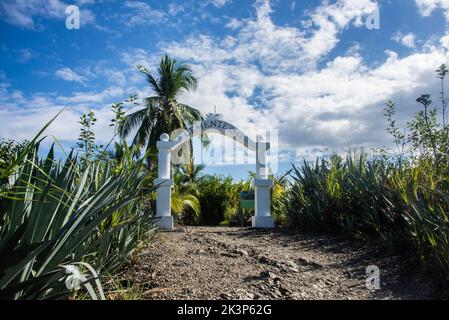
57, 212
398, 199
349, 196
374, 200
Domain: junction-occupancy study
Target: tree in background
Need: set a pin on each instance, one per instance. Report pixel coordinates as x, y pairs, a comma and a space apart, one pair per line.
163, 113
185, 196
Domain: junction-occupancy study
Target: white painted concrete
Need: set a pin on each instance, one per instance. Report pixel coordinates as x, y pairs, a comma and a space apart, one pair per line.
263, 218
164, 183
261, 162
262, 186
165, 223
163, 197
262, 222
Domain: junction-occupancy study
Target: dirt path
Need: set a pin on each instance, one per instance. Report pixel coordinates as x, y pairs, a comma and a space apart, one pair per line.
240, 263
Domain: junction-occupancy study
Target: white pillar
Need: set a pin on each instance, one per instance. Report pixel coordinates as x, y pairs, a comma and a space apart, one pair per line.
261, 162
262, 186
164, 183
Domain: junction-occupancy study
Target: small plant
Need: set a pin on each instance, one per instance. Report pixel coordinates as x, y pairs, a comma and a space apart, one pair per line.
119, 116
86, 140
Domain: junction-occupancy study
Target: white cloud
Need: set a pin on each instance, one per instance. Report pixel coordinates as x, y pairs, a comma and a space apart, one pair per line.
234, 24
269, 76
444, 41
426, 7
408, 40
24, 55
293, 6
27, 114
68, 74
279, 48
175, 8
81, 2
143, 14
24, 13
219, 3
93, 97
20, 55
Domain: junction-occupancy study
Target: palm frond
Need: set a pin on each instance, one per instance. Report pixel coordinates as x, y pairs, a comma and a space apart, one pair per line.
154, 84
131, 122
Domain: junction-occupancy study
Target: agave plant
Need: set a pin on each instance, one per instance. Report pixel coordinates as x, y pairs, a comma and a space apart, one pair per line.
56, 212
371, 200
425, 206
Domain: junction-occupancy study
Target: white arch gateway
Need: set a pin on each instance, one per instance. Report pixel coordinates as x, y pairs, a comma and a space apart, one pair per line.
164, 182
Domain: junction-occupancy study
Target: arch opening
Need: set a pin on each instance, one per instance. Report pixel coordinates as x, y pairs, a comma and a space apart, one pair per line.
164, 182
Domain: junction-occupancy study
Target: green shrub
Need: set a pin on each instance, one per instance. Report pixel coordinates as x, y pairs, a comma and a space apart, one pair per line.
216, 196
57, 212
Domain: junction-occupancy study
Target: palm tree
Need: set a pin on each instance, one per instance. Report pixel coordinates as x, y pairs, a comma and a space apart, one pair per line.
185, 196
162, 112
191, 172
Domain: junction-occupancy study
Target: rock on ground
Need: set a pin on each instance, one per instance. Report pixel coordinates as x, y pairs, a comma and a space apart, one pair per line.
243, 263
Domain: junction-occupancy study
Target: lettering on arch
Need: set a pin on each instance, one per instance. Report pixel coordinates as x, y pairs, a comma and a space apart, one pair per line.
216, 126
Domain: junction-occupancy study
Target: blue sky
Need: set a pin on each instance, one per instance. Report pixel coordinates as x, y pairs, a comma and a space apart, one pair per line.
311, 70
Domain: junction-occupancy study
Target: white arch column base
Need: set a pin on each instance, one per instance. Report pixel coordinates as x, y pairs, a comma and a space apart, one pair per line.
262, 222
164, 219
263, 218
164, 223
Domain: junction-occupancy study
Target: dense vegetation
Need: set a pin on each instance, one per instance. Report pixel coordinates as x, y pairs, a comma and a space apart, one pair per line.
91, 208
95, 205
57, 212
215, 199
398, 199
